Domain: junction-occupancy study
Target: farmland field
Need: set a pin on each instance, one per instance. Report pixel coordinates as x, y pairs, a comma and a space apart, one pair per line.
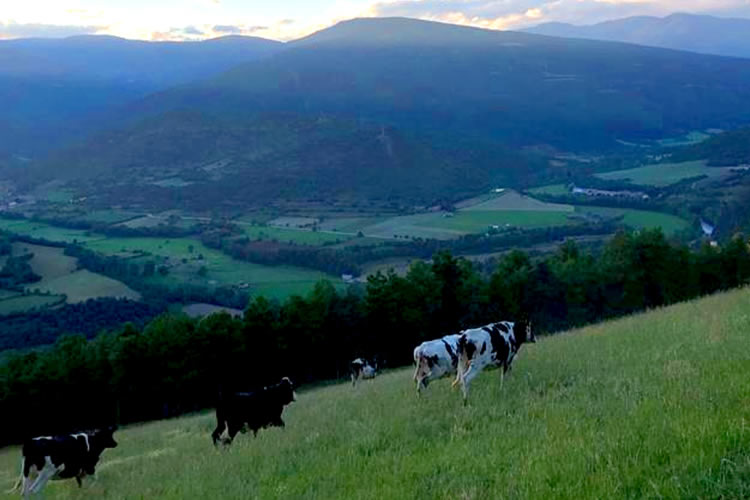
650, 406
299, 236
82, 285
552, 189
664, 174
478, 221
46, 231
513, 201
640, 219
48, 262
24, 303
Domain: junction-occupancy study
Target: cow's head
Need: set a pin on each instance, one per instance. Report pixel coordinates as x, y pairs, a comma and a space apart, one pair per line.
286, 391
105, 437
523, 332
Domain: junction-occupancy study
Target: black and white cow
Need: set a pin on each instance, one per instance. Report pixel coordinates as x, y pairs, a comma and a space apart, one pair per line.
494, 345
65, 456
435, 359
258, 410
363, 369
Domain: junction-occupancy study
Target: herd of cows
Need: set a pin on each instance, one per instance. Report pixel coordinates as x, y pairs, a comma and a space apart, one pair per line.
465, 354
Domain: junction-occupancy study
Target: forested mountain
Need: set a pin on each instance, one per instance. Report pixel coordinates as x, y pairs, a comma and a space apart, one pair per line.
515, 87
54, 90
199, 161
696, 33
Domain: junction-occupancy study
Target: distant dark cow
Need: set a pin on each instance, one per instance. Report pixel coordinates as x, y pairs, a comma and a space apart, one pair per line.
435, 359
363, 369
494, 345
258, 410
62, 457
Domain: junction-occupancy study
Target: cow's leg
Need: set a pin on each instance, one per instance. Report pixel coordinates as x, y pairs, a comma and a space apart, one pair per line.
216, 434
234, 428
45, 475
467, 377
79, 480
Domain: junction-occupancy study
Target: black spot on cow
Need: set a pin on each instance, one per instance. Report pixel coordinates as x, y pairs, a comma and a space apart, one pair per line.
484, 348
466, 348
500, 347
454, 357
432, 360
502, 326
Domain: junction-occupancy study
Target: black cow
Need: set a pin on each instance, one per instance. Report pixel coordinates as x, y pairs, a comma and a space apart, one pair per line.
65, 456
258, 409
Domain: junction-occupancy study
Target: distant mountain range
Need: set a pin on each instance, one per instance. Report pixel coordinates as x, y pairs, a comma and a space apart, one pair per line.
49, 88
696, 33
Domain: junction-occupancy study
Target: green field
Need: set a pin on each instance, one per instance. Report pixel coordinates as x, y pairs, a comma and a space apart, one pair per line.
640, 219
46, 231
302, 237
664, 174
479, 221
651, 406
82, 285
552, 189
513, 201
24, 303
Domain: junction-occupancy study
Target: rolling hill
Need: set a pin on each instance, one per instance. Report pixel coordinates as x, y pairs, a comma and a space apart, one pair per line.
53, 90
518, 88
650, 405
696, 33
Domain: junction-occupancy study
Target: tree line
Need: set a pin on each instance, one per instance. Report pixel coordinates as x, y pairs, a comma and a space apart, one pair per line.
176, 364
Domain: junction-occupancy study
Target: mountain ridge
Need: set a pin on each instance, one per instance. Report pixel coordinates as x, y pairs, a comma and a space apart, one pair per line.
679, 31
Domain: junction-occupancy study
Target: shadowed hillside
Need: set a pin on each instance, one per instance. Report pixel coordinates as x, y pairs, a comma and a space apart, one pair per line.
651, 405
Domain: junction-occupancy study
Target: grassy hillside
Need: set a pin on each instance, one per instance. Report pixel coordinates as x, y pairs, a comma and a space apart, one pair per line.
649, 406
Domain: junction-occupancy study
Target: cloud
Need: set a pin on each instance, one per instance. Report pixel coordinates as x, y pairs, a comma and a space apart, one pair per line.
12, 29
192, 30
505, 14
228, 29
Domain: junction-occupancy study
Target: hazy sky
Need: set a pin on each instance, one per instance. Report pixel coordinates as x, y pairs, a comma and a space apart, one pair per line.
287, 19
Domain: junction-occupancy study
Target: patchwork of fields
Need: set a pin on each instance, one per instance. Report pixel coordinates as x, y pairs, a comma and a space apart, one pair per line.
648, 406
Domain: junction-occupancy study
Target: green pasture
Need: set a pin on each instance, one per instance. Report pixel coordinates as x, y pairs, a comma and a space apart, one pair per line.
479, 221
639, 219
26, 303
650, 406
298, 236
552, 189
664, 174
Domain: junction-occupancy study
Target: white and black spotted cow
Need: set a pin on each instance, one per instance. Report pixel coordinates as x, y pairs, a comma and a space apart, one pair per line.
363, 369
62, 457
435, 359
494, 345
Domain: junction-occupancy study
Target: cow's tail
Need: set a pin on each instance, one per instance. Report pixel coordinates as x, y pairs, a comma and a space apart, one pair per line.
463, 360
18, 484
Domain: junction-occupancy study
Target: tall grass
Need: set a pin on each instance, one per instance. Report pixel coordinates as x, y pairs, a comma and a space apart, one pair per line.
651, 406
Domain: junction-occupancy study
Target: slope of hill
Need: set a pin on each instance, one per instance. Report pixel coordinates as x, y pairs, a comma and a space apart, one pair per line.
696, 33
651, 405
515, 87
49, 88
201, 161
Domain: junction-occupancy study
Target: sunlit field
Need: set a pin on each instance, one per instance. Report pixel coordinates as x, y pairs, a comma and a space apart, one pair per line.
652, 406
